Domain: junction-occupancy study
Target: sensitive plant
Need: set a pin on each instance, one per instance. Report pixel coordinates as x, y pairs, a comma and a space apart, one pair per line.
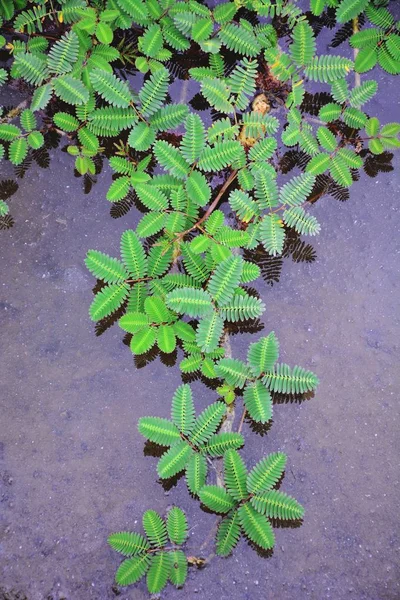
212, 182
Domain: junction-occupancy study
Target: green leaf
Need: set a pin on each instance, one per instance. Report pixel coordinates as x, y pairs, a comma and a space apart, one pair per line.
118, 189
193, 302
196, 472
366, 59
207, 423
225, 279
266, 473
235, 475
155, 529
133, 321
318, 164
216, 499
143, 340
179, 568
41, 97
150, 224
242, 308
328, 67
171, 159
153, 92
258, 402
169, 117
108, 300
35, 140
263, 354
30, 67
302, 48
285, 380
177, 526
221, 155
234, 371
209, 332
112, 89
302, 222
151, 42
166, 339
158, 573
17, 151
128, 544
194, 139
174, 460
182, 410
348, 9
65, 121
256, 527
71, 90
221, 443
272, 234
158, 430
133, 255
239, 39
105, 267
63, 54
132, 569
277, 505
228, 534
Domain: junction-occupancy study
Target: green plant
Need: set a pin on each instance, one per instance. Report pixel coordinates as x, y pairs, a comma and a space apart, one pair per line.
182, 279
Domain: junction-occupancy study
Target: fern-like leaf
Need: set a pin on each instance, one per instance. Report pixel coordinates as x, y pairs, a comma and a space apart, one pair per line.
108, 300
302, 48
220, 155
266, 473
285, 380
207, 423
128, 544
301, 221
242, 308
277, 505
234, 371
155, 529
182, 410
256, 527
225, 280
174, 460
258, 402
196, 471
159, 571
272, 234
177, 526
228, 534
158, 430
221, 443
209, 332
112, 89
179, 568
263, 354
194, 139
239, 39
216, 499
132, 569
153, 92
193, 302
235, 475
63, 54
104, 267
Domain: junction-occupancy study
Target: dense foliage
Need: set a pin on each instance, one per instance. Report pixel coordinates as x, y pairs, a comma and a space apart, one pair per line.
99, 73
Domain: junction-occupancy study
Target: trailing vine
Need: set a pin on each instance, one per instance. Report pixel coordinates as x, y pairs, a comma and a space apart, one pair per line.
210, 180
